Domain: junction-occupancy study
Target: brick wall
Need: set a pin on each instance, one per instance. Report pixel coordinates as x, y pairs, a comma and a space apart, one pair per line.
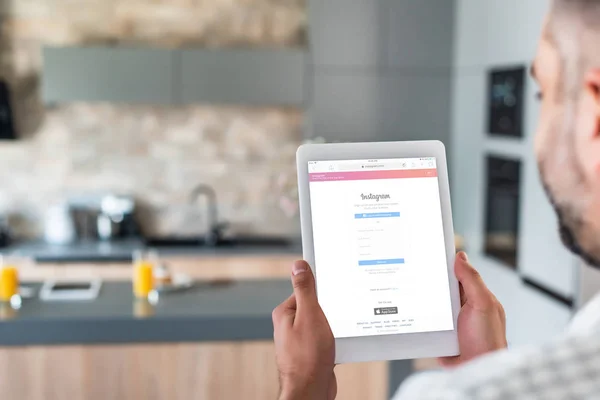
156, 153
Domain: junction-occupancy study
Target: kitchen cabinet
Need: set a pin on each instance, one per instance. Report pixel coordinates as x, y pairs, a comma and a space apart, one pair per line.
260, 77
367, 35
471, 19
511, 29
347, 33
225, 371
161, 76
543, 317
543, 258
108, 74
420, 33
532, 317
467, 167
355, 107
587, 283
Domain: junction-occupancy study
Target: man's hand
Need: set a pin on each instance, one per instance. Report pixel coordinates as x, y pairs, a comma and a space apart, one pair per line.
481, 322
304, 343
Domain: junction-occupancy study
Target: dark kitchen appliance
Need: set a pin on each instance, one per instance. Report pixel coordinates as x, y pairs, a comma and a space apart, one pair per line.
85, 218
118, 212
5, 237
108, 218
7, 126
506, 89
502, 209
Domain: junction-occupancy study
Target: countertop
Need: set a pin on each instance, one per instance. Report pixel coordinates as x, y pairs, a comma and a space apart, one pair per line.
234, 311
122, 250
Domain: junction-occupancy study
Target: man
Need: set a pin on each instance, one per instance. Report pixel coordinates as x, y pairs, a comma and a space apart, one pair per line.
567, 69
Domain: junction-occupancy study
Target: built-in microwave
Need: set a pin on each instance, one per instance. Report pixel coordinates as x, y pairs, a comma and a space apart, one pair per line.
502, 205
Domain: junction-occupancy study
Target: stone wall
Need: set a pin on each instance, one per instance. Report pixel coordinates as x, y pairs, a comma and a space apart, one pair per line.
157, 153
265, 23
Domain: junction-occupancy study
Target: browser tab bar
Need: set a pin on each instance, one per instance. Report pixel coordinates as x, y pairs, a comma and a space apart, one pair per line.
372, 165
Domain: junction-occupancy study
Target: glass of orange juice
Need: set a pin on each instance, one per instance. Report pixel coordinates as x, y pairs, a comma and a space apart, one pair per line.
144, 262
9, 278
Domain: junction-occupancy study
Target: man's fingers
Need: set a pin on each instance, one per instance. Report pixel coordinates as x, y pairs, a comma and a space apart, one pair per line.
303, 281
449, 362
285, 312
475, 291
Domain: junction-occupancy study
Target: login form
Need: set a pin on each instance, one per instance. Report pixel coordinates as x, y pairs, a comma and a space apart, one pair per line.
380, 255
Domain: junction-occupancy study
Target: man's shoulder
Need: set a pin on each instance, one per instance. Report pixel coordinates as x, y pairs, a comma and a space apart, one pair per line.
563, 366
569, 367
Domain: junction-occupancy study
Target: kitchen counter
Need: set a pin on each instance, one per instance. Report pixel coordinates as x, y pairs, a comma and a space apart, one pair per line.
121, 251
224, 328
238, 310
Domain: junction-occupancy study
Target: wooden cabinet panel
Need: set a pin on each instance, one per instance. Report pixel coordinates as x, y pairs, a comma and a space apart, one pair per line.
244, 370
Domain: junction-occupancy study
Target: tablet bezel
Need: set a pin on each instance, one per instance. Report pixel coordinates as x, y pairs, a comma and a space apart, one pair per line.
399, 346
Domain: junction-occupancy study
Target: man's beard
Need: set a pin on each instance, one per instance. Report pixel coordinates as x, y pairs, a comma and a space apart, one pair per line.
568, 225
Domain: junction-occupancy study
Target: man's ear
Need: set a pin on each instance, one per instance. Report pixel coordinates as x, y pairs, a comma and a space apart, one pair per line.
592, 88
588, 125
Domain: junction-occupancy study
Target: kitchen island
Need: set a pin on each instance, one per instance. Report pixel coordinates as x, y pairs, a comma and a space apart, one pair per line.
211, 342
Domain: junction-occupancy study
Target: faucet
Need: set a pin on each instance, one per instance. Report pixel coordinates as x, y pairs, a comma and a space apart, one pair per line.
213, 236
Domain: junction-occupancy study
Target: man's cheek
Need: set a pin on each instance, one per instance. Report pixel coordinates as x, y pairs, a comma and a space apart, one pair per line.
543, 135
540, 140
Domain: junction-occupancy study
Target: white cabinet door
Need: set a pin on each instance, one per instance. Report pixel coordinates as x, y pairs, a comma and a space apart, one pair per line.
542, 256
537, 318
532, 317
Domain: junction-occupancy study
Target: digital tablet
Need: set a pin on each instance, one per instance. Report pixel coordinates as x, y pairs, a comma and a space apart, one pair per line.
377, 231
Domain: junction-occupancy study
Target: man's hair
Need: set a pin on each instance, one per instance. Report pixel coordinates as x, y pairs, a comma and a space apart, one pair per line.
574, 28
575, 24
585, 8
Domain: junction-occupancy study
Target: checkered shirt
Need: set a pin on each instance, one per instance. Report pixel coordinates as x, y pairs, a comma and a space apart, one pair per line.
565, 369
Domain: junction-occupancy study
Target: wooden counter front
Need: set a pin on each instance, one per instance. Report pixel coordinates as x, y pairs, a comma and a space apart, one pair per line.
205, 371
170, 371
202, 268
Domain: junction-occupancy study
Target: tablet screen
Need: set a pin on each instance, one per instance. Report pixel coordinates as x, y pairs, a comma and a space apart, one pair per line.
380, 255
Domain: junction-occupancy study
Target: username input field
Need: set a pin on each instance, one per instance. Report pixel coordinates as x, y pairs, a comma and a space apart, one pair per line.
377, 215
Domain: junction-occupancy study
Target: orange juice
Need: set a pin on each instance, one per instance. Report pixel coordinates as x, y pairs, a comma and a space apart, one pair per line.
143, 279
9, 283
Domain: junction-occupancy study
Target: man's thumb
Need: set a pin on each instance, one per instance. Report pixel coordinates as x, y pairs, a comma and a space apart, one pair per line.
475, 289
303, 281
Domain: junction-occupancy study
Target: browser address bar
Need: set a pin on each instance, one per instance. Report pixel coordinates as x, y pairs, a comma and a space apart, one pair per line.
372, 166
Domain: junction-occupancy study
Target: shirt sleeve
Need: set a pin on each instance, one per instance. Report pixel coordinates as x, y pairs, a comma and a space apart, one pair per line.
502, 372
460, 383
